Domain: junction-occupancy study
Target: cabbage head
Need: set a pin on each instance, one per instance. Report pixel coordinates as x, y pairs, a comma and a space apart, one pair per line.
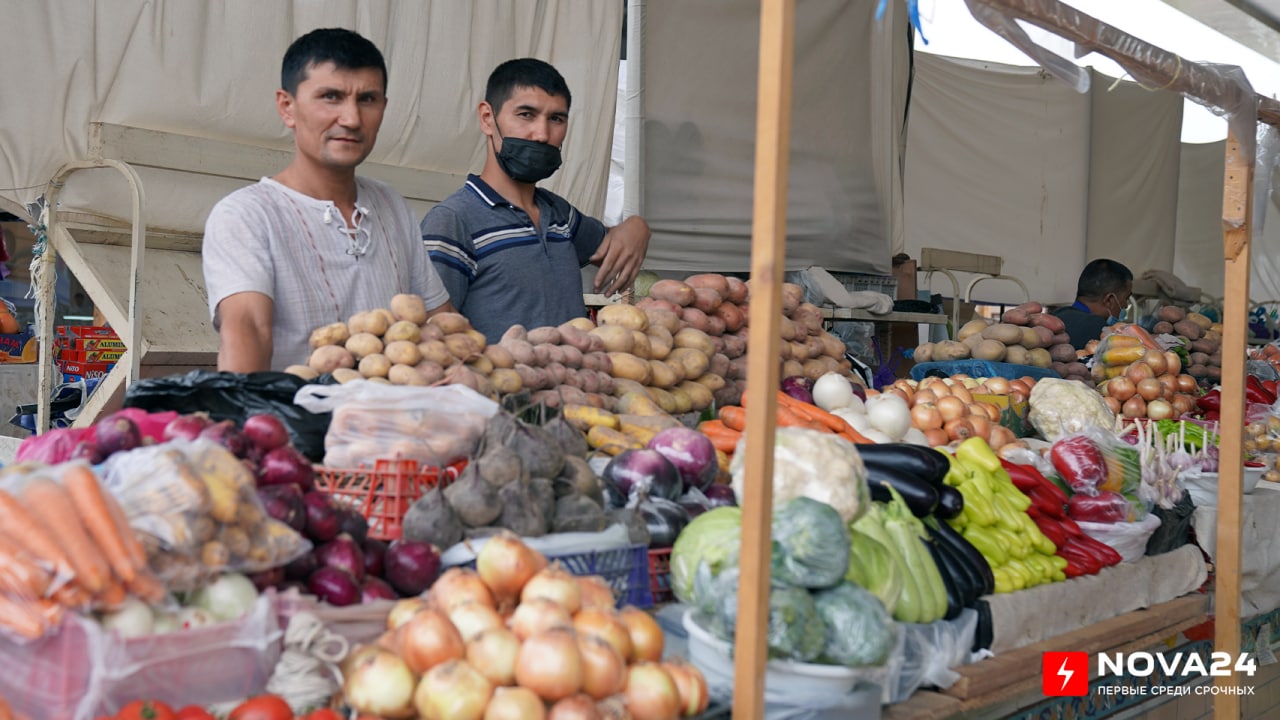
710, 542
796, 631
811, 544
859, 630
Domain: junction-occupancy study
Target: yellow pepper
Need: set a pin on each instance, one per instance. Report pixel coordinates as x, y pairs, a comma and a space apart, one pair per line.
977, 454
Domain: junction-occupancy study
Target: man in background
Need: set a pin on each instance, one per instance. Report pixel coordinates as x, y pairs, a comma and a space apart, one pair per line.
1102, 293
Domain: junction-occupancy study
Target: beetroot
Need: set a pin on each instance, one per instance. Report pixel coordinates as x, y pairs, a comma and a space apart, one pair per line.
343, 553
375, 588
265, 432
284, 466
186, 427
116, 433
323, 520
411, 566
284, 503
334, 586
374, 552
227, 435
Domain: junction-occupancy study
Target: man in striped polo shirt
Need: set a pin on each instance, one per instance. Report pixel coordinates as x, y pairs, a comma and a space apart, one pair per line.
508, 251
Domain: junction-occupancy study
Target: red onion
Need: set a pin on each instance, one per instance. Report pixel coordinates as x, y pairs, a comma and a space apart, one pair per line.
690, 452
186, 427
343, 553
284, 503
334, 586
267, 578
374, 588
301, 567
265, 431
374, 552
798, 387
88, 451
322, 517
285, 465
116, 433
720, 495
353, 524
411, 566
227, 435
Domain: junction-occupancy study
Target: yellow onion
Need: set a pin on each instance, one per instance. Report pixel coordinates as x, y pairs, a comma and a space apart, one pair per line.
646, 635
505, 564
452, 690
536, 615
605, 624
458, 585
651, 693
550, 664
379, 683
493, 652
554, 583
515, 703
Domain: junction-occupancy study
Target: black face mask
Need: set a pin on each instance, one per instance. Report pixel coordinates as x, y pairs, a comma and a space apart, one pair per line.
527, 161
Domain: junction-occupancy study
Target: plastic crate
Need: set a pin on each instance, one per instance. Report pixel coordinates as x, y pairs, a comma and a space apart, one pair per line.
384, 493
660, 576
626, 569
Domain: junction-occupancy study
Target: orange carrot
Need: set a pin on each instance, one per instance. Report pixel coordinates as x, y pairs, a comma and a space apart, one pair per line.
133, 546
86, 496
18, 575
790, 418
49, 502
146, 586
21, 617
30, 533
734, 417
724, 438
72, 596
112, 595
832, 422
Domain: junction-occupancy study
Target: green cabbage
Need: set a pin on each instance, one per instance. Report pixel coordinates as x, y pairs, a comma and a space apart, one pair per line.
711, 542
796, 631
859, 630
810, 544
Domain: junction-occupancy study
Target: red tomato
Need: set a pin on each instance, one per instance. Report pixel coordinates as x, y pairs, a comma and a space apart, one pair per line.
195, 712
263, 707
146, 710
323, 714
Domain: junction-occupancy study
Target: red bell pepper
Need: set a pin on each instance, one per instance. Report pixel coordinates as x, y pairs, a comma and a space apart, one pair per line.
1046, 504
1105, 507
1210, 402
1105, 554
1080, 462
1070, 527
1079, 560
1052, 530
1256, 392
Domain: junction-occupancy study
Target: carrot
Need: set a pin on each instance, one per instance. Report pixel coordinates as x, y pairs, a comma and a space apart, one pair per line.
790, 418
734, 417
18, 575
72, 596
146, 586
724, 438
132, 545
49, 502
30, 533
21, 617
113, 595
832, 422
87, 498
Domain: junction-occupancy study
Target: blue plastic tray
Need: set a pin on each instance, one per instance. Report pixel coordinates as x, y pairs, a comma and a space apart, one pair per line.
981, 368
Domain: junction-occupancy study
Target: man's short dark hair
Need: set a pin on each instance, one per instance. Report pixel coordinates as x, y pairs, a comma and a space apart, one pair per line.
1102, 277
524, 73
344, 48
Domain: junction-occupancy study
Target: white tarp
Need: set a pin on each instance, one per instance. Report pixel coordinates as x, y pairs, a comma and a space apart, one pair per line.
1010, 161
700, 69
210, 68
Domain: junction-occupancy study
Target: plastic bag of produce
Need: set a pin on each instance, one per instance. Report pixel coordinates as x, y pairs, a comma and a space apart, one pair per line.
810, 544
372, 421
198, 511
1127, 538
859, 630
236, 396
1064, 407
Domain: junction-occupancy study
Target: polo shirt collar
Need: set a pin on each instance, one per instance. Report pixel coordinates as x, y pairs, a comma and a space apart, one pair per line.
492, 197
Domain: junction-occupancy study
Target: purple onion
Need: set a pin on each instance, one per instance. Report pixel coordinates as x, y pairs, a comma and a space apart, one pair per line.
644, 470
374, 553
375, 588
334, 586
411, 566
285, 503
323, 518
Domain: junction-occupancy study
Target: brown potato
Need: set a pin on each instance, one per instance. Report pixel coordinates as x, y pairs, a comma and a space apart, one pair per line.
367, 322
792, 296
402, 352
506, 381
663, 375
660, 342
583, 324
628, 316
640, 346
451, 323
520, 350
500, 357
630, 367
480, 364
462, 346
673, 291
327, 358
692, 361
403, 330
409, 307
375, 365
431, 372
303, 371
346, 375
699, 394
364, 344
405, 375
693, 338
437, 352
616, 338
331, 334
427, 331
660, 317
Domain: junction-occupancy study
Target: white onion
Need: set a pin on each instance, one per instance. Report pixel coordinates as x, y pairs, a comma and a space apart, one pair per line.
832, 391
132, 618
452, 691
230, 597
857, 420
890, 415
916, 437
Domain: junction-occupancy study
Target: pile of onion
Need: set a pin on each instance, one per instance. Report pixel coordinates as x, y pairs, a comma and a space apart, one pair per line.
518, 638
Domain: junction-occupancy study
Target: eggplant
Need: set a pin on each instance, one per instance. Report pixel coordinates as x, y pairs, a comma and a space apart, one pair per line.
985, 634
968, 580
955, 600
950, 502
906, 459
664, 519
966, 550
920, 495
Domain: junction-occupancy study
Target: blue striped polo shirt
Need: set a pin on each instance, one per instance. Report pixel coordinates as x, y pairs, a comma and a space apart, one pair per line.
499, 269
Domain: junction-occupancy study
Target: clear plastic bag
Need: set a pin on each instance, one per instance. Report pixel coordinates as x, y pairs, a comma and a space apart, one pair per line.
198, 509
433, 425
1127, 538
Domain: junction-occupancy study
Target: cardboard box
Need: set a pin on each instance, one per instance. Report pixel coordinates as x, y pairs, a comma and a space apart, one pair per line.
77, 370
66, 343
1012, 415
90, 356
85, 331
19, 348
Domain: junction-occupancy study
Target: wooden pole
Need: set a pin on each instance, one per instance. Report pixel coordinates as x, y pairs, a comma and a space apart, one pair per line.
1237, 203
768, 256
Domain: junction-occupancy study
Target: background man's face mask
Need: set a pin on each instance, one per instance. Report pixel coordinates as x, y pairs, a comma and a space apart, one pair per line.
527, 161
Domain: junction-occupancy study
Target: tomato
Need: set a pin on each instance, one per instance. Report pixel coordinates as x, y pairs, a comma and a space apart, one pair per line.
263, 707
146, 710
323, 714
195, 712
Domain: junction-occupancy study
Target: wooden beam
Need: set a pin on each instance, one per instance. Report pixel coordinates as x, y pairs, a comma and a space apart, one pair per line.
1237, 206
1151, 65
768, 256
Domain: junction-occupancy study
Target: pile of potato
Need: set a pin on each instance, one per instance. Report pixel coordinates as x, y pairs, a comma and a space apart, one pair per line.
1025, 335
718, 306
1201, 336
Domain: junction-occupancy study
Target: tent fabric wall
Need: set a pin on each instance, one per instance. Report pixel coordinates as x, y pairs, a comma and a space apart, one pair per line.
699, 134
1009, 161
210, 68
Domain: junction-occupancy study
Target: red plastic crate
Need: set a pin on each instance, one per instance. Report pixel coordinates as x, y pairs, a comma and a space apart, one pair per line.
660, 575
384, 493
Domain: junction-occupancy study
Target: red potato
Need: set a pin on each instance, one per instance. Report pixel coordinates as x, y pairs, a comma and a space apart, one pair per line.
1053, 322
733, 316
706, 299
673, 291
737, 292
710, 281
695, 318
715, 325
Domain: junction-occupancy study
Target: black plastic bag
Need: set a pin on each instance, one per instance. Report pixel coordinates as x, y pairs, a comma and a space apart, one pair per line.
236, 396
1175, 526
